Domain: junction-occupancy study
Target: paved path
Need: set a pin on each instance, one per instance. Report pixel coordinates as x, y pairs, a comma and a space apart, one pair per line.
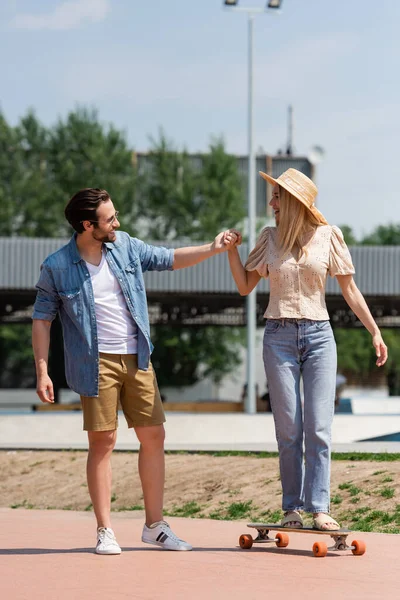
49, 555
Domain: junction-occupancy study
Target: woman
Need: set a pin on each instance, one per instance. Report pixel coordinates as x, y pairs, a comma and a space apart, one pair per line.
297, 256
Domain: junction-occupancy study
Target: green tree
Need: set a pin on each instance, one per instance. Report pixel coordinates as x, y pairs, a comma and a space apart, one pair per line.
348, 235
355, 351
184, 355
389, 235
11, 173
392, 340
41, 168
16, 360
36, 210
85, 153
191, 199
221, 200
383, 235
169, 186
356, 354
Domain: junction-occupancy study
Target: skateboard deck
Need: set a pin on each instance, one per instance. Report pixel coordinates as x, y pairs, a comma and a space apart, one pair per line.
281, 538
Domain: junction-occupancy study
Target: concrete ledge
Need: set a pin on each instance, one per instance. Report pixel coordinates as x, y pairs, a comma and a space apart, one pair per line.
190, 431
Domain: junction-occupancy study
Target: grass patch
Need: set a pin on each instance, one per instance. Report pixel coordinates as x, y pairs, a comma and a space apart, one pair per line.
352, 489
387, 492
238, 510
270, 516
345, 486
366, 519
336, 499
128, 508
349, 456
187, 510
234, 511
362, 511
23, 504
387, 479
370, 456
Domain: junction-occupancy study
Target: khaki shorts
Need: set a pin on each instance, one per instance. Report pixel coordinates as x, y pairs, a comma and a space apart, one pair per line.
123, 386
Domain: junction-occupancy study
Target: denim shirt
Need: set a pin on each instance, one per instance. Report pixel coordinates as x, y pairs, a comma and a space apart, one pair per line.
65, 287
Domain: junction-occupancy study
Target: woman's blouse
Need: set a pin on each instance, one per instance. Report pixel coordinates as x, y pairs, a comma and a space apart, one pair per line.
297, 287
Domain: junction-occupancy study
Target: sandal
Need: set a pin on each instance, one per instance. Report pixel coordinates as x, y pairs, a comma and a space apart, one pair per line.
292, 516
324, 519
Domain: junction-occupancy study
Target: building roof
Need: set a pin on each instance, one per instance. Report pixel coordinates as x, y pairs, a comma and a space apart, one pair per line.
377, 269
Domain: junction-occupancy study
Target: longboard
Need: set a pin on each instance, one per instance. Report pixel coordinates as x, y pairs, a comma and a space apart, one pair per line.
281, 538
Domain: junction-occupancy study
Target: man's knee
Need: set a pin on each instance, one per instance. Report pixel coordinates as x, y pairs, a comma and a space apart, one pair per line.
102, 441
151, 436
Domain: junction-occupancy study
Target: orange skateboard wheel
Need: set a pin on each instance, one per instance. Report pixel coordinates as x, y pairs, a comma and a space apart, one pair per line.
282, 540
320, 549
359, 547
245, 541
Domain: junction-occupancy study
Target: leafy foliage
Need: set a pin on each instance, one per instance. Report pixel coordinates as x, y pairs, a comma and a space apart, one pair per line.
165, 197
186, 197
184, 355
40, 169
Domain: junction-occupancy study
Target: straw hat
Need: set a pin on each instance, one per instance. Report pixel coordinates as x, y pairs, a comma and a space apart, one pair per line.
301, 187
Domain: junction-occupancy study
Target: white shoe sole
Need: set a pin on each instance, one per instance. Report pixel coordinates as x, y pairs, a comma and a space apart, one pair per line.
161, 545
107, 552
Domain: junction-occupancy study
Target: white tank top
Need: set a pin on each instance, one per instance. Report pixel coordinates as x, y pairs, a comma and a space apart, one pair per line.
116, 328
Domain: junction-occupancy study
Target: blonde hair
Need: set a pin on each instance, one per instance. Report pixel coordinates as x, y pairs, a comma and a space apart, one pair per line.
295, 221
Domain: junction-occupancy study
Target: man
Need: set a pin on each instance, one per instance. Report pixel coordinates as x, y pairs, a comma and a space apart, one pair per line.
95, 284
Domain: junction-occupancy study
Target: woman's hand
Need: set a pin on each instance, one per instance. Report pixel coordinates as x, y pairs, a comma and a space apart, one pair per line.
356, 301
380, 349
232, 238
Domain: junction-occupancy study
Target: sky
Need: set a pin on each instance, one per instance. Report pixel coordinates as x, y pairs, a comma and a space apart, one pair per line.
182, 65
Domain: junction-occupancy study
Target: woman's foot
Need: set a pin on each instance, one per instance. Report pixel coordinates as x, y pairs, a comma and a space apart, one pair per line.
324, 522
292, 519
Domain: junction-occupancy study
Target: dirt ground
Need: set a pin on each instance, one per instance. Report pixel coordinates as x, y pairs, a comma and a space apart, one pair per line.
196, 484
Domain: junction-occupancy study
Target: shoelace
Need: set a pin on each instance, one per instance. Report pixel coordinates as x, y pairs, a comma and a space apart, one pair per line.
167, 530
102, 533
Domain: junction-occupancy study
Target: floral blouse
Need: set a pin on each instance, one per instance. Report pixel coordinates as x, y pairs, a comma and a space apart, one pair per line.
297, 288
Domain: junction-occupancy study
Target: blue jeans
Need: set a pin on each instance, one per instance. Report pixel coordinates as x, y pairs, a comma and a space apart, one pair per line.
295, 348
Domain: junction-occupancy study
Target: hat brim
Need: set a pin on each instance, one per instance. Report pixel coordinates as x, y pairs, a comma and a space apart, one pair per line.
268, 178
282, 184
313, 209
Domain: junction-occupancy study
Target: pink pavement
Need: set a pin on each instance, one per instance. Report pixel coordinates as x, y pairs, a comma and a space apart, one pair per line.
49, 555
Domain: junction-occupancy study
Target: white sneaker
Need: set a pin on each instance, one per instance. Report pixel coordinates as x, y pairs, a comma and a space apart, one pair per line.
161, 535
106, 542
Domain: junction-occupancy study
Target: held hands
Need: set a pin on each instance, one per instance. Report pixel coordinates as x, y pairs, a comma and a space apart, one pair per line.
227, 240
380, 349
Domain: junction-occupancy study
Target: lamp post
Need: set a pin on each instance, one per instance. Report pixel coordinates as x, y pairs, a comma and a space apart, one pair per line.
251, 305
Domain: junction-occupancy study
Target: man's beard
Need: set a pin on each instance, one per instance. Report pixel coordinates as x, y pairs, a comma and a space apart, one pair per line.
104, 237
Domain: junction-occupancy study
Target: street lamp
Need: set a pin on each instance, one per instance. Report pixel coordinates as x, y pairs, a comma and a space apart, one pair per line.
251, 305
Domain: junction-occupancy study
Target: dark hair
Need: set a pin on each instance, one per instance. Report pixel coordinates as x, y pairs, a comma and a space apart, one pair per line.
83, 207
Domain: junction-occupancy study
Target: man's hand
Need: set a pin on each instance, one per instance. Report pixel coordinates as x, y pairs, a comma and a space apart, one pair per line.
226, 240
44, 389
